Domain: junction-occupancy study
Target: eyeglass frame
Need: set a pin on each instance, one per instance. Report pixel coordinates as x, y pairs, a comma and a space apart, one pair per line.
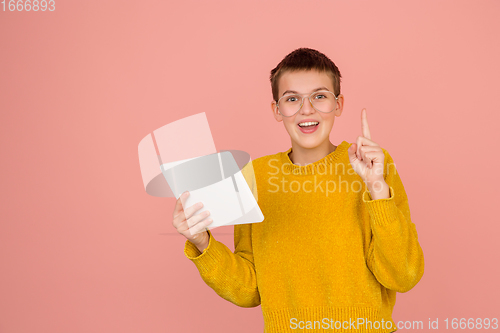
302, 102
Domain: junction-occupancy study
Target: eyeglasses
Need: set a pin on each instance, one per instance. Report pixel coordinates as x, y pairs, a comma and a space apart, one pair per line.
322, 101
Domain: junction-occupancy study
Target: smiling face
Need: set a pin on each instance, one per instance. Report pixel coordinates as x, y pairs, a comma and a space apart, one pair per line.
304, 83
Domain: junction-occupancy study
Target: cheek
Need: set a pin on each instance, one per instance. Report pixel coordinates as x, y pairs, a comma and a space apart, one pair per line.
328, 122
289, 124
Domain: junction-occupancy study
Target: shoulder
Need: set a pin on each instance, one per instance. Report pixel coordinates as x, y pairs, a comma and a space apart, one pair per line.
267, 161
261, 166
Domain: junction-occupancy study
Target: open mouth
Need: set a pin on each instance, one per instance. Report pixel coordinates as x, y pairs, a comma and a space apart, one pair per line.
308, 126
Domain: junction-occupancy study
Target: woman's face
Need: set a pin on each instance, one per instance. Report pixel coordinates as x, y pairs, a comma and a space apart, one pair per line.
304, 83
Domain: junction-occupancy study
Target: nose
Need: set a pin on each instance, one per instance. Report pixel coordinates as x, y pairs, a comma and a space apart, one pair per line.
307, 107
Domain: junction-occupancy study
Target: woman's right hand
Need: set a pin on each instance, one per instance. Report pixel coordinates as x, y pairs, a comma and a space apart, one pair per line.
189, 225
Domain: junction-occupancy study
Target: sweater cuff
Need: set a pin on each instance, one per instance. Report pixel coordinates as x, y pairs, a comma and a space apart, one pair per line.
382, 211
207, 260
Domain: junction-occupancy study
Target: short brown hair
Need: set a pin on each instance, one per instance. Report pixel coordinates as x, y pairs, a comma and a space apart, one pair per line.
305, 59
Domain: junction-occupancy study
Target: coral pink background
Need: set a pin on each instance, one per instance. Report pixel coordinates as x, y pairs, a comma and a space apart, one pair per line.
83, 248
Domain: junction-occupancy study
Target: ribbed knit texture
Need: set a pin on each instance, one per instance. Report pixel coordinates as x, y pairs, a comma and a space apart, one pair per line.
321, 257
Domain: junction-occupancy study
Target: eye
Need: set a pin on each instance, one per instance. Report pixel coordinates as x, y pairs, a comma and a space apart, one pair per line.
289, 99
320, 95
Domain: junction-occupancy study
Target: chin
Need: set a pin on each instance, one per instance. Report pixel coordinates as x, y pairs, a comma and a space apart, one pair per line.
309, 143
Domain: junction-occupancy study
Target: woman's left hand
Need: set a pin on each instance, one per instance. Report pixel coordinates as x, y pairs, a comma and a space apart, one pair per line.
367, 157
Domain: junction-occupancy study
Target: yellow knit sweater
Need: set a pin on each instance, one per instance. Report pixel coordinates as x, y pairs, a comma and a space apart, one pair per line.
326, 258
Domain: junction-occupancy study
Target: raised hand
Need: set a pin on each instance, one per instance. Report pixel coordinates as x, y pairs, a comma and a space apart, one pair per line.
367, 159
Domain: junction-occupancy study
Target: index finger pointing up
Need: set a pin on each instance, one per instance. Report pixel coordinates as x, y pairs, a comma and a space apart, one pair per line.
365, 130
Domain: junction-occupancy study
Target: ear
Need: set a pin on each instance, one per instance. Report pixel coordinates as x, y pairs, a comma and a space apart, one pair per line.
276, 114
340, 105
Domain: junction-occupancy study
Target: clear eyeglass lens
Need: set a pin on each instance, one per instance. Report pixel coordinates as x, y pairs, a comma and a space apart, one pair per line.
323, 101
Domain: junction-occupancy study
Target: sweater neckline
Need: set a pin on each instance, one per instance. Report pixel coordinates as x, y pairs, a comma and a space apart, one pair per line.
313, 167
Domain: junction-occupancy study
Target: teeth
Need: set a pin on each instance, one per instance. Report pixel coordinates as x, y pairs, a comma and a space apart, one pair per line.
309, 123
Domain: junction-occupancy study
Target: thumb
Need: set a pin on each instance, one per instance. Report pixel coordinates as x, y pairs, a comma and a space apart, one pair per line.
352, 150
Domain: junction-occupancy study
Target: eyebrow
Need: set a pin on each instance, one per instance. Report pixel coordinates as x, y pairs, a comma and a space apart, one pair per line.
292, 91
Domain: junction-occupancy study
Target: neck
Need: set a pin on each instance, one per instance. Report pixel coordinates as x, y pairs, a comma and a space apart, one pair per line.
302, 156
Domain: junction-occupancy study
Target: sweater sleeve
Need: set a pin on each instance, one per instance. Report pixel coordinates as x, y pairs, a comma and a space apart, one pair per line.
231, 275
394, 256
